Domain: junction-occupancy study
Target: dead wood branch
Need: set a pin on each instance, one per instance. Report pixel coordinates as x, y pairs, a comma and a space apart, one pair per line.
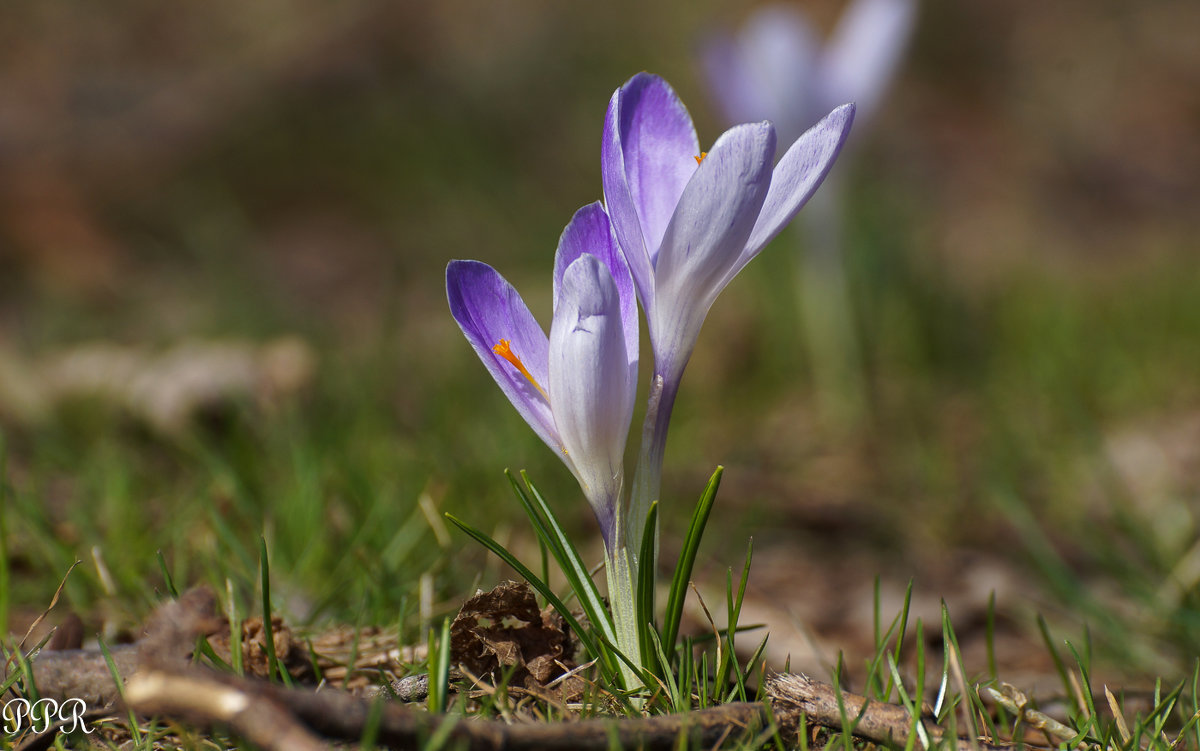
191, 696
82, 673
795, 695
260, 710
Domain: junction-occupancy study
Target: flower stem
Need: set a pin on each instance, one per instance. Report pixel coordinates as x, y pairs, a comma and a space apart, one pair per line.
623, 564
647, 479
621, 569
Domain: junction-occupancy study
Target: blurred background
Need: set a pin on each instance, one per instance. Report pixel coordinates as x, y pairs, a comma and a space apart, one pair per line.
223, 234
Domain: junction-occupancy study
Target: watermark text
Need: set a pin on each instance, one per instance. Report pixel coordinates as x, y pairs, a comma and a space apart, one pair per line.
38, 716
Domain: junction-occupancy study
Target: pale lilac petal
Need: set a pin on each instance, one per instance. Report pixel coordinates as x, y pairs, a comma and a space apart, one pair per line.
648, 156
591, 389
589, 231
714, 217
864, 52
796, 177
488, 309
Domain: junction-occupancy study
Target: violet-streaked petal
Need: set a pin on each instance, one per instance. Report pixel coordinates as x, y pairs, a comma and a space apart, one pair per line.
708, 232
622, 212
590, 231
591, 387
488, 309
648, 157
796, 177
862, 55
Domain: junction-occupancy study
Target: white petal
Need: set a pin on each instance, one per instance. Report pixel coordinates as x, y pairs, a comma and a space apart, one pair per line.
591, 389
706, 236
796, 177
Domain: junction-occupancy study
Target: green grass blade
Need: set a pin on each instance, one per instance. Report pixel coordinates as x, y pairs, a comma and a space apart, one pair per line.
162, 565
687, 560
204, 648
549, 530
903, 622
755, 661
134, 730
657, 661
235, 631
906, 701
273, 664
674, 684
1195, 702
1059, 666
588, 638
439, 669
26, 674
1086, 689
733, 608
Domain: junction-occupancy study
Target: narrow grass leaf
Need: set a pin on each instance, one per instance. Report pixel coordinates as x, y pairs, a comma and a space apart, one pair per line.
204, 648
847, 736
687, 560
673, 683
162, 565
905, 701
1163, 711
548, 529
733, 609
235, 631
657, 662
273, 664
588, 638
1084, 692
134, 730
28, 683
755, 662
370, 733
1059, 665
439, 668
959, 670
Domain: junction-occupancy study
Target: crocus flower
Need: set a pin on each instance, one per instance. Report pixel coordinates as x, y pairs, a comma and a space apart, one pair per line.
576, 388
776, 67
687, 222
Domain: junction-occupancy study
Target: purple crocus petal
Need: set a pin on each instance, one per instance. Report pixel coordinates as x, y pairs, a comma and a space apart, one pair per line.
797, 176
715, 216
590, 231
488, 309
864, 52
647, 158
591, 387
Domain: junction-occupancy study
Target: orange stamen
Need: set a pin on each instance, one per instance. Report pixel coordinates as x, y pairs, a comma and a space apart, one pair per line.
701, 157
504, 349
